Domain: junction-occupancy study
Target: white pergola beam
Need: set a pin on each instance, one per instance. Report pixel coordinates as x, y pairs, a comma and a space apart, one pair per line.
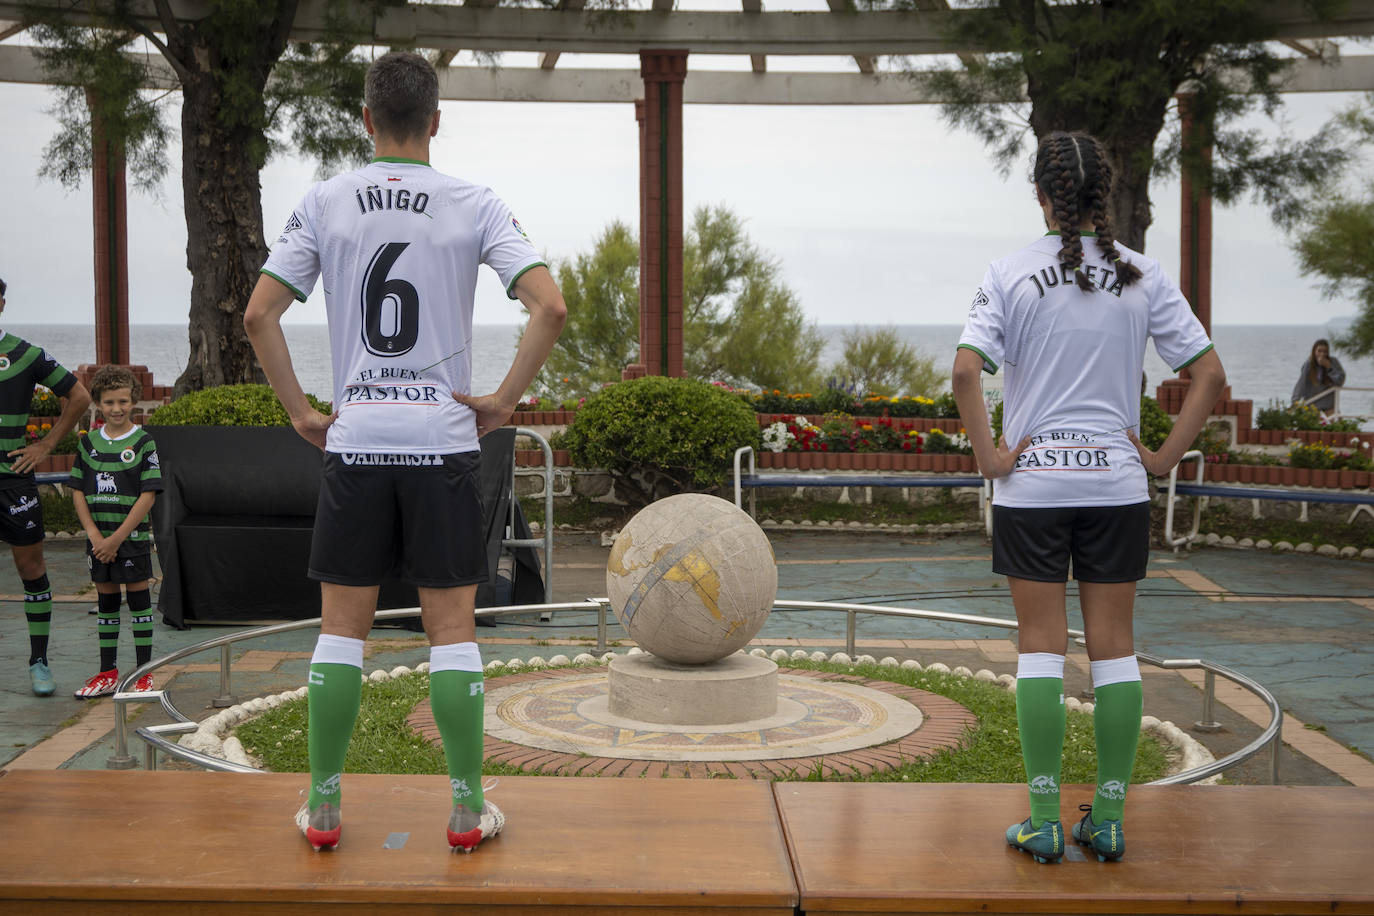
864, 33
703, 87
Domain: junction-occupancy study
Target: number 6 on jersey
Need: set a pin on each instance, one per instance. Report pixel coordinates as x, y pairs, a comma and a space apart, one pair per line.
404, 312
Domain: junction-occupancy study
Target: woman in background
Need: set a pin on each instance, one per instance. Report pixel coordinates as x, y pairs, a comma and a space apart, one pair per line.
1320, 372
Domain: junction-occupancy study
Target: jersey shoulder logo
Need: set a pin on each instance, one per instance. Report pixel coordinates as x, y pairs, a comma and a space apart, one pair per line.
4, 361
515, 224
292, 225
980, 300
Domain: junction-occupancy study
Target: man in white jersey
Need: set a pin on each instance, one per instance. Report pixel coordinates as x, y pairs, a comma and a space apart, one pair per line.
1070, 323
397, 245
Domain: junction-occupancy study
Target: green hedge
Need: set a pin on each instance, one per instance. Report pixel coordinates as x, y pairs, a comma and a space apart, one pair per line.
661, 436
229, 405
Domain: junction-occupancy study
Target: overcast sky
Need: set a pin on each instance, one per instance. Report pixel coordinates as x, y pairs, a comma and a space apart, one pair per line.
877, 214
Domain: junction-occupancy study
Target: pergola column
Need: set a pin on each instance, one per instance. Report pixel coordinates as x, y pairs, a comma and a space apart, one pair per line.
660, 212
110, 218
1195, 230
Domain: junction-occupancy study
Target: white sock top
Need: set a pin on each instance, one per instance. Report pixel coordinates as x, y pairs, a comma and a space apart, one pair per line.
1039, 664
1115, 671
338, 650
459, 656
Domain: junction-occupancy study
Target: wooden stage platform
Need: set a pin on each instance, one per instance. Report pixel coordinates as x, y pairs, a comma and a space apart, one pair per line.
192, 843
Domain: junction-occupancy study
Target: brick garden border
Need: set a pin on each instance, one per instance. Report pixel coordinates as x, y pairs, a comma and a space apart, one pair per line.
943, 726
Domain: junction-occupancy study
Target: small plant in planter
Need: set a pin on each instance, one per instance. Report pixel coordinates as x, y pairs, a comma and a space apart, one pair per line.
44, 403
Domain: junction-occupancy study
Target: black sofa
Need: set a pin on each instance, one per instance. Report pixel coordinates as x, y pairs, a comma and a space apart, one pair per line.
233, 526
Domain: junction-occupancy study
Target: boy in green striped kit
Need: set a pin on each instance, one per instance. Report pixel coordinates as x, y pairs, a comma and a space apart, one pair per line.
22, 366
114, 481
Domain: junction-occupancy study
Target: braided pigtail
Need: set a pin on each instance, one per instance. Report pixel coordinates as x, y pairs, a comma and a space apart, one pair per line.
1060, 175
1097, 205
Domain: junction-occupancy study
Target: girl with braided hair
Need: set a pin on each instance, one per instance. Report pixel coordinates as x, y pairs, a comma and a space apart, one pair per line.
1070, 322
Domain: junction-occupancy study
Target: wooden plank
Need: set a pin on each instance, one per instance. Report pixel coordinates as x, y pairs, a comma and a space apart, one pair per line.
107, 842
886, 848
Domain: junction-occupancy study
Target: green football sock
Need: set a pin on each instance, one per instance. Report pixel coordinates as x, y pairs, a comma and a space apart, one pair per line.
1116, 719
1040, 717
458, 701
335, 694
107, 629
141, 624
38, 612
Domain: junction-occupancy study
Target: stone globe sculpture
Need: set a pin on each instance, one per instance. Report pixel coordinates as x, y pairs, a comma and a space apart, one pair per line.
692, 578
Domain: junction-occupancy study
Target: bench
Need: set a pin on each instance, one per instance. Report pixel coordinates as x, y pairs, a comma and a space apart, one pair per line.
750, 478
1361, 499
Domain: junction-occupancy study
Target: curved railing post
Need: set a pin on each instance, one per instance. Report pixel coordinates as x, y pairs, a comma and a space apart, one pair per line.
1208, 722
226, 695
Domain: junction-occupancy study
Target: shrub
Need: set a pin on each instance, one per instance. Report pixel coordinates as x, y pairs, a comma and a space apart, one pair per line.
67, 445
1155, 424
229, 405
58, 512
660, 436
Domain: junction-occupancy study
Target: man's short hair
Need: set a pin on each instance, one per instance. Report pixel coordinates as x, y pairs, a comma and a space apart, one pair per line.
108, 378
3, 287
402, 93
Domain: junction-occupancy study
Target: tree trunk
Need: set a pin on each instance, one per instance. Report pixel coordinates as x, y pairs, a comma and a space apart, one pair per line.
224, 240
1130, 194
1131, 151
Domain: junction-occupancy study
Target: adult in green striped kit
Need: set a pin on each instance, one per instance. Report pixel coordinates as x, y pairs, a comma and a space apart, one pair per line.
22, 366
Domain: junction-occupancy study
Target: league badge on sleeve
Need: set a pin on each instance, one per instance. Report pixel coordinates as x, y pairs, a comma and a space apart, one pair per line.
979, 301
292, 225
515, 224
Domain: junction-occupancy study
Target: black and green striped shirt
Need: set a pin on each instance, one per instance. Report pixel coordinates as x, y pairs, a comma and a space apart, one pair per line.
113, 474
22, 366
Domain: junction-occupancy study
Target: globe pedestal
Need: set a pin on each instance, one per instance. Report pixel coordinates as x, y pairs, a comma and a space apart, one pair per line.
737, 688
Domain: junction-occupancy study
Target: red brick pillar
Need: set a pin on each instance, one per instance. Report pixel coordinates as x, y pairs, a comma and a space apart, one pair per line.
661, 217
110, 218
1195, 232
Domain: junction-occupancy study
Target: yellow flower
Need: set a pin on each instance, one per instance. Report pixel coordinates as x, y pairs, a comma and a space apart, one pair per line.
31, 428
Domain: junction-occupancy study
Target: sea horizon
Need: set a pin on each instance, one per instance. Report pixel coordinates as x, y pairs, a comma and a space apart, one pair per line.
1262, 360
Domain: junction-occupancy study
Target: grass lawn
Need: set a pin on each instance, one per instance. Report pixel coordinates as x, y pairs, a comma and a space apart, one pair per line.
383, 743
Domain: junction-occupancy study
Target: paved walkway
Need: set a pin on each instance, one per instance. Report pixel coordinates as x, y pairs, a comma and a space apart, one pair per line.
1301, 625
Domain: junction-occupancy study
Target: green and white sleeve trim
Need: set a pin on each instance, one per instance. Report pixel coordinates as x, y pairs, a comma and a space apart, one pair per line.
510, 289
300, 296
989, 366
1201, 353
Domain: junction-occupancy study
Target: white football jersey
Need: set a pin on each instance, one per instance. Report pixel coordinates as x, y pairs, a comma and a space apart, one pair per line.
398, 245
1074, 363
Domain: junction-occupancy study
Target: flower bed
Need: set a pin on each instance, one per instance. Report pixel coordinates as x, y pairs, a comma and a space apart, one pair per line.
534, 458
1284, 436
1280, 475
865, 461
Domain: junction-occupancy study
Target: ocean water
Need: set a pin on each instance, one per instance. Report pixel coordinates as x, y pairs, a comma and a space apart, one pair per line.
1262, 361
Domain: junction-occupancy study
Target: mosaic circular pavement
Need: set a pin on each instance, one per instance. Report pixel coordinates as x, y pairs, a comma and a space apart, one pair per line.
559, 722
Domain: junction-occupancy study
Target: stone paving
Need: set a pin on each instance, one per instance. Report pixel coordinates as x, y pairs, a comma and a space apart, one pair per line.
1302, 626
831, 735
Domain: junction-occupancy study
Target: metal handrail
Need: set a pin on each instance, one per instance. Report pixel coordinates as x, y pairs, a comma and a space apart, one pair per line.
154, 741
1335, 412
